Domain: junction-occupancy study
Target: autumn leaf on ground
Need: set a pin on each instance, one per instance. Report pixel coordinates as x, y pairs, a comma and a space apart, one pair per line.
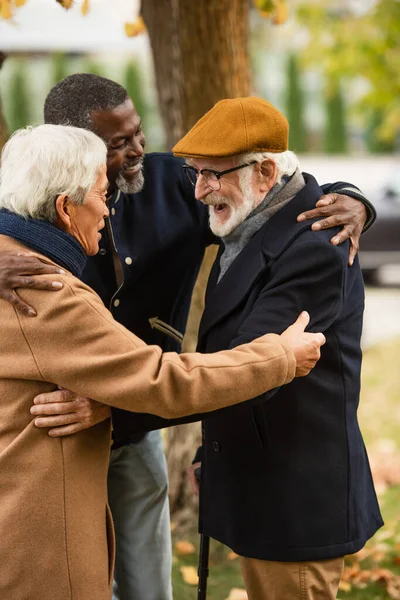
184, 548
189, 575
344, 586
237, 594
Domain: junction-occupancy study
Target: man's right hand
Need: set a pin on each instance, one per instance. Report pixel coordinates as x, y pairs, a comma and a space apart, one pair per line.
306, 347
18, 271
194, 477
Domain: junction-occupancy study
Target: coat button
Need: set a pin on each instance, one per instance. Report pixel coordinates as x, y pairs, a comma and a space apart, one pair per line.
102, 251
113, 211
216, 446
128, 260
116, 302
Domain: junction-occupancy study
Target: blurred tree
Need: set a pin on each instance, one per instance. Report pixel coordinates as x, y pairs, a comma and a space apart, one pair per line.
92, 66
295, 107
133, 82
20, 105
348, 40
200, 56
3, 126
374, 141
59, 67
335, 135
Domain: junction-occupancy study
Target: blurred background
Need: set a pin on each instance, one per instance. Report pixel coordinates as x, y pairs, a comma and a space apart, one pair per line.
333, 68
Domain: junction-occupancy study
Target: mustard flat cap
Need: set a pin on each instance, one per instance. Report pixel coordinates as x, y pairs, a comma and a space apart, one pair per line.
236, 126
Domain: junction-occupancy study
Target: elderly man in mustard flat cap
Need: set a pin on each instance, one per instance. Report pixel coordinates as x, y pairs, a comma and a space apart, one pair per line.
285, 480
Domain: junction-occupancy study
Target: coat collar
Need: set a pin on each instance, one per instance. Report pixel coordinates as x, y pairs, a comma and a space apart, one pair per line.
267, 244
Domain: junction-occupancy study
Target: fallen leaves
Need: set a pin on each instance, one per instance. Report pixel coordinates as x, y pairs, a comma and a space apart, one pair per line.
184, 548
237, 594
360, 578
189, 575
385, 465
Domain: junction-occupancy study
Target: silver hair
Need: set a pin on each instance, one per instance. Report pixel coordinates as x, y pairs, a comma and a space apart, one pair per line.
286, 164
40, 163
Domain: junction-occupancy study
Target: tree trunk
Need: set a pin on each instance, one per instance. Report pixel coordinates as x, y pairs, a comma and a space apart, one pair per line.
200, 53
3, 126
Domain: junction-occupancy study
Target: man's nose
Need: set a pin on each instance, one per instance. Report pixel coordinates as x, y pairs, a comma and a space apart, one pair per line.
202, 189
135, 148
106, 211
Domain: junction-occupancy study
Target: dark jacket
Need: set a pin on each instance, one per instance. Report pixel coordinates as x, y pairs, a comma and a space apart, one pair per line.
286, 477
160, 234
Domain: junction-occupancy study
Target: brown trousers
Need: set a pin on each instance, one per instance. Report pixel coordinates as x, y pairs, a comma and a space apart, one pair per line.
269, 580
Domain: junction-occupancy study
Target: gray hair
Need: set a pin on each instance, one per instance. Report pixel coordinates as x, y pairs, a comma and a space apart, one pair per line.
73, 99
40, 163
286, 164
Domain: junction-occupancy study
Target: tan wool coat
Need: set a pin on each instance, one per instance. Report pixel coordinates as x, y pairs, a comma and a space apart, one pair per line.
55, 527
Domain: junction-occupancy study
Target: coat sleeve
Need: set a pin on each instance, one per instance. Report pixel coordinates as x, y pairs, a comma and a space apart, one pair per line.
77, 344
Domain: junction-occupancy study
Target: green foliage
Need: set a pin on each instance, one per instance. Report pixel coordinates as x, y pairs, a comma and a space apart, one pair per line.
59, 67
375, 143
94, 67
359, 44
295, 107
20, 98
133, 82
335, 135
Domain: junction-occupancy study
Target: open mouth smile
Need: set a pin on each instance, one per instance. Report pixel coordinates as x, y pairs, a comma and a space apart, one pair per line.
133, 169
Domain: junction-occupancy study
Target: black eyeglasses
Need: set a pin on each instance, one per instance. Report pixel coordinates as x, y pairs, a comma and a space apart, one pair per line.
211, 176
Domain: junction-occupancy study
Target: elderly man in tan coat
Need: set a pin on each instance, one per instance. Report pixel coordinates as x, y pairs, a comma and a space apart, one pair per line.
55, 527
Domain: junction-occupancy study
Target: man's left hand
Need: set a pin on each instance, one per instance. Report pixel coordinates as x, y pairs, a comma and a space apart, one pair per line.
337, 209
64, 413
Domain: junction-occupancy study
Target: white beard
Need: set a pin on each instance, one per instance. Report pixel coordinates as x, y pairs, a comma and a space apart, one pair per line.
237, 213
130, 187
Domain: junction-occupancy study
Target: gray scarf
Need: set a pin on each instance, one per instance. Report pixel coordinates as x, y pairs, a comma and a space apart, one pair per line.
277, 198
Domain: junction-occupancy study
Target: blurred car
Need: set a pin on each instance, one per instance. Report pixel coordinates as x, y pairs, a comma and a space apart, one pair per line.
380, 245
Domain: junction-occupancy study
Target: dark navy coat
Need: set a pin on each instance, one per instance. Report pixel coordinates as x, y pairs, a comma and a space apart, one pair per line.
160, 234
286, 477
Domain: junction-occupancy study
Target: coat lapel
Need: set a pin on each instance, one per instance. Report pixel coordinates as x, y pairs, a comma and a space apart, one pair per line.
223, 297
272, 239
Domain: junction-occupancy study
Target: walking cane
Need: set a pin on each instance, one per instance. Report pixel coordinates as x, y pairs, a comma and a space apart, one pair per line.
203, 567
203, 558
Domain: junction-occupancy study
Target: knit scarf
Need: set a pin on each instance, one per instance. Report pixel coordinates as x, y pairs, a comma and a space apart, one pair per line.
45, 238
278, 196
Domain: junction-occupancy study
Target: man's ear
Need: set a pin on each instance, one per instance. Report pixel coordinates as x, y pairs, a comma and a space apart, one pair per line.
268, 172
63, 208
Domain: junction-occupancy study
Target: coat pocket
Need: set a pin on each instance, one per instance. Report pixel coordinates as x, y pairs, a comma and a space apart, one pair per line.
110, 545
260, 425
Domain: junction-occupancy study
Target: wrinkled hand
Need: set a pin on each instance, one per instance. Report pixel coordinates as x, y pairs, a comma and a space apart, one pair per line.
337, 209
193, 479
18, 271
305, 346
65, 413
